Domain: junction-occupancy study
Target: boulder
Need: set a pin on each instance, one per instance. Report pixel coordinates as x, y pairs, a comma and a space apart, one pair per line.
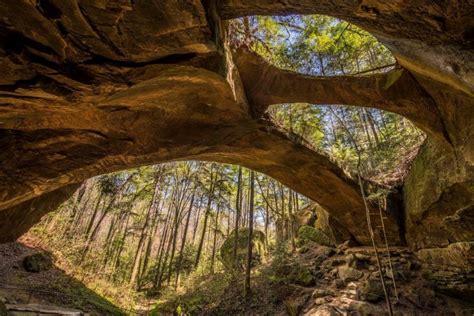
227, 249
331, 226
322, 293
295, 305
348, 274
38, 262
306, 233
306, 216
301, 275
371, 291
324, 310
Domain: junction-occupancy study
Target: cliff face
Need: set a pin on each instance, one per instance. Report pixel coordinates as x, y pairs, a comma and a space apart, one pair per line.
89, 87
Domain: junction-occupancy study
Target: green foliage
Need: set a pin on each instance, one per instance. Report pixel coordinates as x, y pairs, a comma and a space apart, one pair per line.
200, 291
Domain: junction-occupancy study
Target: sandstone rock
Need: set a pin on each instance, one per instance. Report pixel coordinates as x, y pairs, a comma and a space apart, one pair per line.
295, 305
421, 297
38, 262
339, 283
360, 262
345, 245
320, 301
322, 293
414, 265
348, 274
438, 197
450, 269
337, 262
371, 291
399, 272
361, 256
363, 308
349, 258
459, 254
324, 311
306, 216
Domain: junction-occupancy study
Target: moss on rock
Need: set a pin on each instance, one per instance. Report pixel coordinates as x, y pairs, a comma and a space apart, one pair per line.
308, 233
227, 249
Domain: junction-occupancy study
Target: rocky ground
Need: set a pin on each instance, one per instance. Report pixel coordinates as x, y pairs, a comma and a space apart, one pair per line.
335, 281
347, 282
315, 280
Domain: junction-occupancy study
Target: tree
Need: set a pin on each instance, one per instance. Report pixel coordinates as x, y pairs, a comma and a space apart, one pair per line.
250, 238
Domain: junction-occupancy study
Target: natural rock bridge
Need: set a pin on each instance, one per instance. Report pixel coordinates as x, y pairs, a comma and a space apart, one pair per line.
90, 86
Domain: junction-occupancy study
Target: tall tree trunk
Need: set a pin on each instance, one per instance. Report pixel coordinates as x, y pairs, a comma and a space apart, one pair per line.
179, 207
183, 241
94, 215
267, 220
206, 216
238, 201
143, 235
196, 222
121, 246
163, 239
215, 238
250, 236
151, 236
372, 126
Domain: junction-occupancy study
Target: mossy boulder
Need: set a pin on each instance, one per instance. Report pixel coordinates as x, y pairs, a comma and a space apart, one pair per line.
38, 262
258, 249
308, 233
302, 275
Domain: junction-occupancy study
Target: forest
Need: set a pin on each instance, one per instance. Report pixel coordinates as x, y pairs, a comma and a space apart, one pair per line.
203, 234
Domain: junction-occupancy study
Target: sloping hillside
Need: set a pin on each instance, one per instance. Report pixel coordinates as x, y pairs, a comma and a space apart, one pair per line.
52, 286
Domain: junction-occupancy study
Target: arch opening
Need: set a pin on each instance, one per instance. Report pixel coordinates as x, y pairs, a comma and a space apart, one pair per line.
117, 220
386, 142
316, 45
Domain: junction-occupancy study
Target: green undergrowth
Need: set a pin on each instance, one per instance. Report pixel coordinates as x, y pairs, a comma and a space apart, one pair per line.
273, 285
199, 293
76, 295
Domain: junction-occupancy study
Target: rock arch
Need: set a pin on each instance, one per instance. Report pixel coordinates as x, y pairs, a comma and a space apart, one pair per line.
95, 87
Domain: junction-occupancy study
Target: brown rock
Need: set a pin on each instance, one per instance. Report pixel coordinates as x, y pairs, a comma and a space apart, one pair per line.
348, 274
38, 262
317, 293
371, 291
